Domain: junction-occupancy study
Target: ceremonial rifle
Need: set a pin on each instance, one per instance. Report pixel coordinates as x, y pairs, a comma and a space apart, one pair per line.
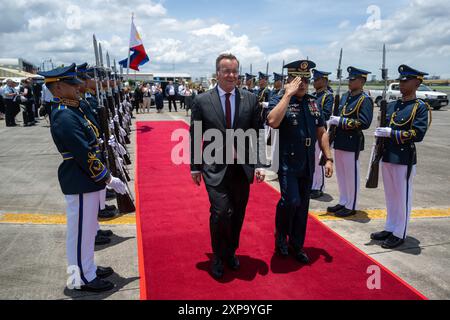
125, 202
378, 146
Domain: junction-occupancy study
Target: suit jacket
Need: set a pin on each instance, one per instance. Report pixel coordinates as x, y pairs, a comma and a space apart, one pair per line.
207, 109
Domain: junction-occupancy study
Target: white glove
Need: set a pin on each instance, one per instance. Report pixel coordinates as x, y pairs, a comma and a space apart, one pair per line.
111, 125
334, 121
117, 185
112, 141
383, 132
123, 133
100, 141
116, 118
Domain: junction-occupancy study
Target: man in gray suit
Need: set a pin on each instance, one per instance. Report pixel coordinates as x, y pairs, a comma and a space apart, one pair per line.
223, 108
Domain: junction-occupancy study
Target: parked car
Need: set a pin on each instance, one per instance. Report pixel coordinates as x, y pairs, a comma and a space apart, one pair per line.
435, 99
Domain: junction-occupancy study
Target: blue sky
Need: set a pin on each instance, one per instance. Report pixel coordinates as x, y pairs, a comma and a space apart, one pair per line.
187, 36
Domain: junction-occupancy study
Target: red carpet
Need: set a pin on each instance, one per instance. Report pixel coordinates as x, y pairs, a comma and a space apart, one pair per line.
174, 243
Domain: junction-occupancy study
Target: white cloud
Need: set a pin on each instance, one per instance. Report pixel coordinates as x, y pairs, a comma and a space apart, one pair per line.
417, 33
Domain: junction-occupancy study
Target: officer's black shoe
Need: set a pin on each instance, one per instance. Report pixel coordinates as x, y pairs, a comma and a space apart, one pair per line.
217, 268
110, 208
104, 272
97, 285
335, 208
281, 246
110, 194
106, 214
301, 257
105, 233
101, 241
392, 242
344, 213
380, 236
233, 263
315, 194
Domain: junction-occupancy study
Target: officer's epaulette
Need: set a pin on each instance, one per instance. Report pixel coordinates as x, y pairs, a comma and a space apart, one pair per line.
430, 113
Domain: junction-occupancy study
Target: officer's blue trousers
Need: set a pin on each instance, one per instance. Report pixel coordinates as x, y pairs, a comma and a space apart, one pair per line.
292, 209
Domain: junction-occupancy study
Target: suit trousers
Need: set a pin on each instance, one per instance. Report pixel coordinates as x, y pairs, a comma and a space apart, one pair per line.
228, 204
82, 224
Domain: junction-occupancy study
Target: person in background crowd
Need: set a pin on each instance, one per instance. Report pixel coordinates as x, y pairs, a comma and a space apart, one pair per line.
171, 94
9, 97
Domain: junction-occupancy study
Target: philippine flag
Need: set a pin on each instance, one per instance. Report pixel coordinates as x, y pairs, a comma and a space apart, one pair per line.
138, 56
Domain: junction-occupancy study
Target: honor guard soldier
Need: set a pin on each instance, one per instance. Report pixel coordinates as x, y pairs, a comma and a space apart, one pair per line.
356, 113
249, 82
263, 91
324, 100
301, 124
89, 105
82, 175
240, 82
407, 124
277, 84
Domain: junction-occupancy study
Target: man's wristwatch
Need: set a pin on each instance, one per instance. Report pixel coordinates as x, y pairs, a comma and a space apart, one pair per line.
330, 159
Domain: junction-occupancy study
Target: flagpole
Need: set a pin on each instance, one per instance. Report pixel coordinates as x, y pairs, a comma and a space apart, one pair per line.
129, 47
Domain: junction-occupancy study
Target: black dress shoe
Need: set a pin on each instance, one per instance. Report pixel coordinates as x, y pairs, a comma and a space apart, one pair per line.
217, 268
106, 214
105, 233
392, 242
344, 213
104, 272
335, 208
111, 208
101, 241
301, 257
97, 285
281, 246
380, 236
233, 263
315, 194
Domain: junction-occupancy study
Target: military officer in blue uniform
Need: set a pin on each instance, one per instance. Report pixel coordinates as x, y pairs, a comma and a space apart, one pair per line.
277, 84
263, 91
408, 123
355, 115
325, 100
82, 175
301, 124
249, 82
240, 82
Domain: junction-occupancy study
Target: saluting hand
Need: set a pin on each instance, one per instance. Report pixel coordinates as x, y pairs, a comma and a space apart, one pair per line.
292, 87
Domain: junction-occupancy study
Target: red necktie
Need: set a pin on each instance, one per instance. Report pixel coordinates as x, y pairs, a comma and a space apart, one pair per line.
228, 110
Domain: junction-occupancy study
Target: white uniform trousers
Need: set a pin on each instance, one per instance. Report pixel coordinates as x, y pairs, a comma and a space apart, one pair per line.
319, 172
82, 212
398, 192
347, 173
102, 203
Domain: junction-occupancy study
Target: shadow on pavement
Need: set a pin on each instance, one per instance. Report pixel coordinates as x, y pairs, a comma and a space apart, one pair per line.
119, 282
115, 240
411, 246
